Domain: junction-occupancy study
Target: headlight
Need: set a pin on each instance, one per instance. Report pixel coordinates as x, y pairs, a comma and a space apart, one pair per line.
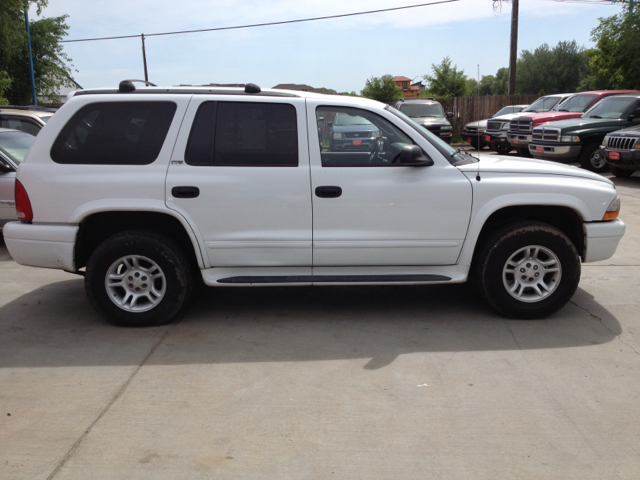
570, 138
337, 135
605, 140
505, 126
375, 134
613, 210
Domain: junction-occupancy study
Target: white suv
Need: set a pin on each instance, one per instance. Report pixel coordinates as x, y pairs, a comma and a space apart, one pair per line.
155, 190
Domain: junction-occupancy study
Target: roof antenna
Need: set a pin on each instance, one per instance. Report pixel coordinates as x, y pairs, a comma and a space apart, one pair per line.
475, 114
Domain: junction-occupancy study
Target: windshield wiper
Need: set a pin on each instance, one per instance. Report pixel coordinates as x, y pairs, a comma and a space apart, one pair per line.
595, 116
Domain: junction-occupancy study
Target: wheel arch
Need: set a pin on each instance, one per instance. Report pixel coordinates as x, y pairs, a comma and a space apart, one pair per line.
566, 219
98, 226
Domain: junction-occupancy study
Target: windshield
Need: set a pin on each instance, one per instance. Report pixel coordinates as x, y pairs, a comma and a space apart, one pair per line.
422, 110
577, 103
612, 107
505, 110
16, 144
346, 119
543, 104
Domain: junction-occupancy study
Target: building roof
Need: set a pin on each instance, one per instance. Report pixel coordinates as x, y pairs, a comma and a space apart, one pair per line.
401, 79
294, 86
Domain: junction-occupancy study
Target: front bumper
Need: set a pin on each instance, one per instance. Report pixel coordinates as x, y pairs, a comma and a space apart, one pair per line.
519, 140
46, 246
629, 160
601, 239
557, 151
494, 138
473, 137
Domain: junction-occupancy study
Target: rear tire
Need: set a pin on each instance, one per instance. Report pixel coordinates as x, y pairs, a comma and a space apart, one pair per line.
524, 152
620, 172
138, 279
528, 270
503, 149
591, 159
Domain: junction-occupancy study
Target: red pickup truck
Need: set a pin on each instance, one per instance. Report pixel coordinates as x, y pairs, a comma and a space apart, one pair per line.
521, 128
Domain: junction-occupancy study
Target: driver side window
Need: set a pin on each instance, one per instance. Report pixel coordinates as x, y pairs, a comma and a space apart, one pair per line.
352, 137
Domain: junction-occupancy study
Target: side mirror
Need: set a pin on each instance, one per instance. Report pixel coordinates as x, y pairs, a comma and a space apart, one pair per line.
321, 119
5, 167
635, 114
330, 123
412, 155
450, 115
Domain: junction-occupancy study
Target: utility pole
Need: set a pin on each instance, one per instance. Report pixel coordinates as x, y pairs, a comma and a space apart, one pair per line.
144, 59
513, 57
33, 79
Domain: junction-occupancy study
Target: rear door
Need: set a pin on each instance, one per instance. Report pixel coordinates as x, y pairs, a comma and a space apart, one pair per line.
240, 173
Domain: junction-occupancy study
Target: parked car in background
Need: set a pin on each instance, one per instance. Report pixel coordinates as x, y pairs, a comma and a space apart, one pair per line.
621, 150
579, 139
13, 147
473, 132
352, 132
28, 119
497, 127
428, 113
521, 127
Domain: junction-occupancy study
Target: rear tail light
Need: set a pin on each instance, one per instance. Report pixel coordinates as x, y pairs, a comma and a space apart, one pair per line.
23, 204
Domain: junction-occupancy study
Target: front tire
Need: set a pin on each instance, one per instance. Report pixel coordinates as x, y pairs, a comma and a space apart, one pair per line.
592, 159
503, 149
528, 270
621, 172
139, 279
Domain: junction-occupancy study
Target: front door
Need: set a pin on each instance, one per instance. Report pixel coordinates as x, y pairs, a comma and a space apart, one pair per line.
368, 210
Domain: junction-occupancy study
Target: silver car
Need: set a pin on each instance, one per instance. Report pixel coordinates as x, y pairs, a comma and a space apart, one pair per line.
13, 147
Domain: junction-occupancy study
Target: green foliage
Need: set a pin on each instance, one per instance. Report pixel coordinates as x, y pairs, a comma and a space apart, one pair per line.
615, 62
472, 87
556, 70
49, 60
383, 89
349, 94
501, 85
486, 84
326, 91
446, 81
5, 81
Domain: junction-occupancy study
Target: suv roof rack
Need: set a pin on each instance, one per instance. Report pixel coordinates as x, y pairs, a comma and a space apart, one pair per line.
127, 86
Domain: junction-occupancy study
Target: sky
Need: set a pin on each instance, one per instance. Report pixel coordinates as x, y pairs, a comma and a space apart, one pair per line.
340, 54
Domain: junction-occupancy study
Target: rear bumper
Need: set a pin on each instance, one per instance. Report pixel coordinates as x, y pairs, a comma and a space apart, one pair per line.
46, 246
601, 239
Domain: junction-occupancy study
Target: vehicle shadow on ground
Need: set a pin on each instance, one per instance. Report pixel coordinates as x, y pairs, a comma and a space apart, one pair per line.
55, 326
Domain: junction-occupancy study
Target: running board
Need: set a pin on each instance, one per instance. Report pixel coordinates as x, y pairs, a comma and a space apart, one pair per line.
299, 276
341, 279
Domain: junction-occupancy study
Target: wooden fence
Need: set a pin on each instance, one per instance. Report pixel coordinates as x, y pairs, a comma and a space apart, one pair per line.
470, 109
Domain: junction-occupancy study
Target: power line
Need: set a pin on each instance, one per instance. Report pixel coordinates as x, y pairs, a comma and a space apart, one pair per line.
263, 24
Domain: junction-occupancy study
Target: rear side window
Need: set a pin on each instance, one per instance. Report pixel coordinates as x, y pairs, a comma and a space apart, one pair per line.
114, 133
20, 124
244, 134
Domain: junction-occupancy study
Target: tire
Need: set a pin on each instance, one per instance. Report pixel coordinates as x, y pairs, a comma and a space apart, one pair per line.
503, 149
476, 144
524, 152
504, 256
621, 172
163, 295
591, 159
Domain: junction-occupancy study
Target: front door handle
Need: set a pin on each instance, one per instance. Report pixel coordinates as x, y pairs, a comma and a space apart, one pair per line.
185, 192
328, 192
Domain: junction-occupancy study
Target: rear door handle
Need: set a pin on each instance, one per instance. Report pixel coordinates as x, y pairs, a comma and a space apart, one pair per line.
328, 192
185, 192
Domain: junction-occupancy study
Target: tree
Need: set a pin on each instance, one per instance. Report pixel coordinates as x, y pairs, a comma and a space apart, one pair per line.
446, 81
49, 60
615, 62
383, 89
5, 81
501, 84
556, 70
472, 87
486, 84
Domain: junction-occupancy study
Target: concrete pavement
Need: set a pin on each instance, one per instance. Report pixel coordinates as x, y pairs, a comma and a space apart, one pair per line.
318, 383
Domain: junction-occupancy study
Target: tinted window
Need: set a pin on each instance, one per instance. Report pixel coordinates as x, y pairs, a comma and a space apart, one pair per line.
114, 133
243, 134
20, 124
577, 103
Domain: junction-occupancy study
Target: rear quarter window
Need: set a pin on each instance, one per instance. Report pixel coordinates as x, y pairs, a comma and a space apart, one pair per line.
114, 133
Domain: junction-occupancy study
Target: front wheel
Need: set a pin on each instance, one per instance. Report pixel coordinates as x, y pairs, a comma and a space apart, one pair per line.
503, 149
620, 172
592, 159
138, 279
528, 270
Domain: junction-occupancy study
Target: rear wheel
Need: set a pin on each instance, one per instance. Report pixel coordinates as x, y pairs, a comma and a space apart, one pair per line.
592, 159
139, 279
524, 152
528, 270
621, 172
503, 149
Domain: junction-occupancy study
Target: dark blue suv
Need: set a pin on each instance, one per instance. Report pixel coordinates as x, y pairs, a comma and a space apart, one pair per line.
351, 132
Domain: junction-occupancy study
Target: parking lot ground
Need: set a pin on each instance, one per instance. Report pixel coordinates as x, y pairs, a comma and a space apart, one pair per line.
325, 382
